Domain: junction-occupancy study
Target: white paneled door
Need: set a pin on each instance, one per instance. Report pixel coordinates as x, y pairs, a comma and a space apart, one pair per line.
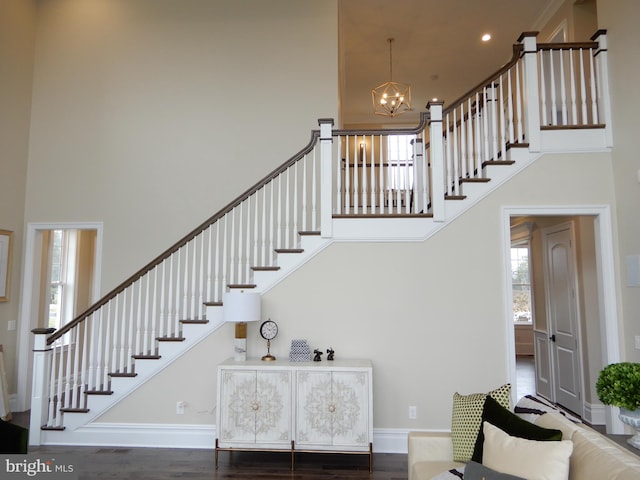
563, 315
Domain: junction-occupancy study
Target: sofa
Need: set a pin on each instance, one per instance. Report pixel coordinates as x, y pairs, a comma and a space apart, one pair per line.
590, 454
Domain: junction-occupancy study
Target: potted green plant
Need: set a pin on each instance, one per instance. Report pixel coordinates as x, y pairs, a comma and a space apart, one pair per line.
619, 385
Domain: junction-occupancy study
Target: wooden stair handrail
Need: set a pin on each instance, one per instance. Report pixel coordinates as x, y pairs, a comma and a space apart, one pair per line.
315, 134
515, 56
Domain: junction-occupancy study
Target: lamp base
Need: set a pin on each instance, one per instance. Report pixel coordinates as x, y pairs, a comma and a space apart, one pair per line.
268, 358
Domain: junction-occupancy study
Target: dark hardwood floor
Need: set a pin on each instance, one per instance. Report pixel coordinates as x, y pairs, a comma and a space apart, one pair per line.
124, 463
163, 464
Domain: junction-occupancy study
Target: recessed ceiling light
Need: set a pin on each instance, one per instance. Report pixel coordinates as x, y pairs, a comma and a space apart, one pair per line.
486, 37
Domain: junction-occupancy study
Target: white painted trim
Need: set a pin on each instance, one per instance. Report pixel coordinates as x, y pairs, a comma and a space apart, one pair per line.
594, 414
607, 280
28, 320
385, 440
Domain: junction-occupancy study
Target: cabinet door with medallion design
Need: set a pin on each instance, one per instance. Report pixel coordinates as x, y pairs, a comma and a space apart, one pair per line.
332, 410
255, 408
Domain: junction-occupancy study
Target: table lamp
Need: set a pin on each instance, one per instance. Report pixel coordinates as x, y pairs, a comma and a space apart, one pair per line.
240, 307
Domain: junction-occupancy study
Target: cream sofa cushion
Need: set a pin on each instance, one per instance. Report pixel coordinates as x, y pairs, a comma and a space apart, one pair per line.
530, 459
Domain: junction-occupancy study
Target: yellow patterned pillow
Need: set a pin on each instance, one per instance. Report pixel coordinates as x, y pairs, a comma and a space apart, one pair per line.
467, 416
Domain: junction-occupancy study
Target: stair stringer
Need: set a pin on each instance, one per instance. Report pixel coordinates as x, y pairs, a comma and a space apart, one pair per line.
74, 422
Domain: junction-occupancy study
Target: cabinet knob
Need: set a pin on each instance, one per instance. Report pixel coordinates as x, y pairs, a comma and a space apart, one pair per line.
332, 408
255, 405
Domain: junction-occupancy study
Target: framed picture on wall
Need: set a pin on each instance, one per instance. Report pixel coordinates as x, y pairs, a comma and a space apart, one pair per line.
6, 237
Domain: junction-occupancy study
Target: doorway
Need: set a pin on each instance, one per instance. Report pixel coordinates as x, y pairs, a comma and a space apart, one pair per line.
61, 278
596, 301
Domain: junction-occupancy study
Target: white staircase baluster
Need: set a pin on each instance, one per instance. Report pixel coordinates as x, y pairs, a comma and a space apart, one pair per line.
485, 123
314, 191
572, 84
594, 92
381, 184
464, 165
256, 230
247, 242
543, 89
84, 364
185, 293
563, 88
552, 80
347, 176
510, 116
213, 263
104, 372
154, 311
583, 91
372, 176
130, 322
272, 246
477, 117
263, 220
138, 326
163, 289
456, 154
502, 138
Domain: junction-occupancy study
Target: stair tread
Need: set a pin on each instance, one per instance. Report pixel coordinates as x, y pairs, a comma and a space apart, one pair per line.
146, 357
122, 374
98, 392
475, 180
309, 233
213, 304
289, 250
195, 321
74, 410
383, 215
170, 339
498, 162
59, 429
265, 269
455, 197
242, 285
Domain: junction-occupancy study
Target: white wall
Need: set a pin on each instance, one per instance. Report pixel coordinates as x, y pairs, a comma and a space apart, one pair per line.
16, 69
620, 18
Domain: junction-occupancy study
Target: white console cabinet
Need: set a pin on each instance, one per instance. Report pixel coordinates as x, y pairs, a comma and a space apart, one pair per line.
295, 406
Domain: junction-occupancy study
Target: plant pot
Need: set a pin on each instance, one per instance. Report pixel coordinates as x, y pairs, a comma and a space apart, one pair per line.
631, 418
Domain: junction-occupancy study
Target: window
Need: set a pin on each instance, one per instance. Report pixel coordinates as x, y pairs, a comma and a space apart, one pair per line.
521, 283
400, 161
55, 283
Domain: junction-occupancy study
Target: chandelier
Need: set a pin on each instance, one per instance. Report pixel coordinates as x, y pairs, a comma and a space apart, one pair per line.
391, 98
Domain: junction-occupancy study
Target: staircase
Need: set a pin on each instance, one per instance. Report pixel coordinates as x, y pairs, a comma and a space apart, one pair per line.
345, 185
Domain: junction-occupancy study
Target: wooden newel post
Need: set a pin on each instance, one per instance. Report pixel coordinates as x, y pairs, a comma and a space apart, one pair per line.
436, 149
40, 385
326, 177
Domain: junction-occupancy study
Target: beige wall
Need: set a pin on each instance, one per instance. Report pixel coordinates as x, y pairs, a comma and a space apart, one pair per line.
620, 18
16, 70
578, 20
160, 122
430, 314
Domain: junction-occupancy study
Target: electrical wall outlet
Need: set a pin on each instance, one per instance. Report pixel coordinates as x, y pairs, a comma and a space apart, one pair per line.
11, 325
638, 342
413, 412
180, 407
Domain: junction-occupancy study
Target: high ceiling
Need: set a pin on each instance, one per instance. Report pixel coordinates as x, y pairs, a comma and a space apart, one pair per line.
437, 48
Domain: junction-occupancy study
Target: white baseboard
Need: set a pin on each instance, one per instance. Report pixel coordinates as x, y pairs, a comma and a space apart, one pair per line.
594, 414
385, 440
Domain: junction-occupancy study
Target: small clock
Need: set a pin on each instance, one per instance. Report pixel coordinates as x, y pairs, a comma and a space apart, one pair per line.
268, 331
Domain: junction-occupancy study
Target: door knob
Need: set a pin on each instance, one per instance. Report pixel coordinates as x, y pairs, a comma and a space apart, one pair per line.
553, 337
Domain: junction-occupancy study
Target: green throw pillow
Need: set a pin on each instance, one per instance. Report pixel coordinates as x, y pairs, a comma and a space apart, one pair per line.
510, 423
476, 471
466, 419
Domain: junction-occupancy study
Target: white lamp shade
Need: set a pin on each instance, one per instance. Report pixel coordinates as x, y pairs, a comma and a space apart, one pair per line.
241, 306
